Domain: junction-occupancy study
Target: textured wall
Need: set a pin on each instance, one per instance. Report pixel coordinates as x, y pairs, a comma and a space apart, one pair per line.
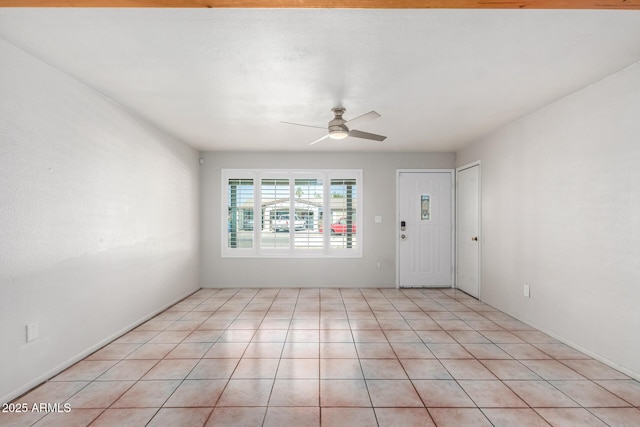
98, 218
561, 213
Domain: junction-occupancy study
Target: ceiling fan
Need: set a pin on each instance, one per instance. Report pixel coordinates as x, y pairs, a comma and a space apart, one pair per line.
339, 128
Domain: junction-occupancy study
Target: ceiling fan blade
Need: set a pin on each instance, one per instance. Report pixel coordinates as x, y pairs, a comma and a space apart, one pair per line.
366, 135
358, 121
299, 124
320, 139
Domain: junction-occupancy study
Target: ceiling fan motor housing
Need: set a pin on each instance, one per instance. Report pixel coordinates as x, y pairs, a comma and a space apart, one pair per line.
337, 128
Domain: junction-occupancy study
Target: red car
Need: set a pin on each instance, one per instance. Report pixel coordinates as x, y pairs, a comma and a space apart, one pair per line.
340, 227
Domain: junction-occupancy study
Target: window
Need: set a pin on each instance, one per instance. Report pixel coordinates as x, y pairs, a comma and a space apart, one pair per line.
272, 213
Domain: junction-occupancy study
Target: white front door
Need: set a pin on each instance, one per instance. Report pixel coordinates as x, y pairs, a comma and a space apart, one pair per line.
468, 229
425, 229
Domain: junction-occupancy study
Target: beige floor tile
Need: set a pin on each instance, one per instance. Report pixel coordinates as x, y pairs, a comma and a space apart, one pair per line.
270, 335
85, 370
466, 369
449, 351
457, 417
99, 394
338, 393
435, 337
169, 337
20, 419
193, 350
303, 336
628, 390
299, 369
367, 335
420, 369
130, 417
256, 368
412, 350
589, 394
560, 351
237, 335
501, 417
246, 393
114, 351
225, 350
171, 369
212, 369
540, 394
375, 350
595, 370
502, 337
151, 351
147, 394
73, 418
295, 392
468, 337
393, 393
264, 350
352, 417
510, 370
196, 393
552, 370
442, 393
301, 350
403, 417
128, 370
491, 394
292, 416
618, 417
51, 392
192, 417
570, 417
237, 417
336, 335
340, 369
402, 337
338, 350
486, 351
383, 369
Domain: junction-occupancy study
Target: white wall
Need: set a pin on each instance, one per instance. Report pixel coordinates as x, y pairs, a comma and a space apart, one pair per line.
98, 218
379, 198
561, 213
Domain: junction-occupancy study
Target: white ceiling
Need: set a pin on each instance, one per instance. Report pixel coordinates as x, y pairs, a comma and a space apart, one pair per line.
223, 79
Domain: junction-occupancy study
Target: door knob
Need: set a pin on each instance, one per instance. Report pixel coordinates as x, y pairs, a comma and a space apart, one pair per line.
475, 238
402, 236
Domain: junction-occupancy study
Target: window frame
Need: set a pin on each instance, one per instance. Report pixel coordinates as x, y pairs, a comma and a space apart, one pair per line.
257, 175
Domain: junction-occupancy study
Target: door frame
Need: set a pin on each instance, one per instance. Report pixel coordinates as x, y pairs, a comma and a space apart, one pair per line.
480, 236
452, 173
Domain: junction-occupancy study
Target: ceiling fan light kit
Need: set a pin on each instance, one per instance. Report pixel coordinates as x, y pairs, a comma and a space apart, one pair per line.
339, 128
336, 132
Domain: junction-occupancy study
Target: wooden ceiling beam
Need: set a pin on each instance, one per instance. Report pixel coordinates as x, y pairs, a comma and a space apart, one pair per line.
355, 4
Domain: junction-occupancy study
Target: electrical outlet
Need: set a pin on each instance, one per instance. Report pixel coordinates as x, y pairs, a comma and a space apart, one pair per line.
378, 265
32, 332
526, 291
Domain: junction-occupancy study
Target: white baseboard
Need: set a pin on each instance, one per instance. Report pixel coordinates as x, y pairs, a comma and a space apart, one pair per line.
78, 357
596, 356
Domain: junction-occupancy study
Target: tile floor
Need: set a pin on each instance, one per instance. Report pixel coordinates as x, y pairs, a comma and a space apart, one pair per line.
335, 357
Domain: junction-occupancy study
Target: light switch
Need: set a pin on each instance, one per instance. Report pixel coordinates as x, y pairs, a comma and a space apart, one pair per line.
377, 219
